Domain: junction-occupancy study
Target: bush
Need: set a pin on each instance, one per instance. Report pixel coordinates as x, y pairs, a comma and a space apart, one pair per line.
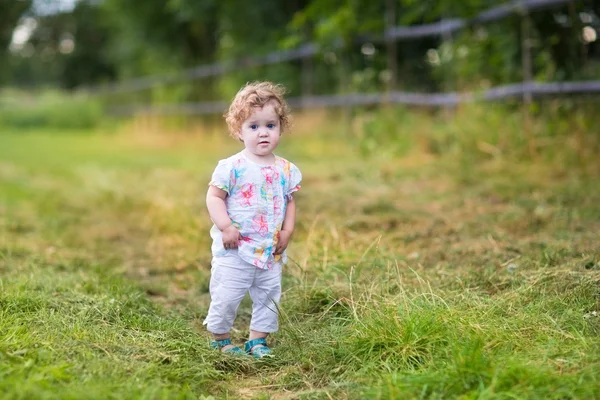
48, 110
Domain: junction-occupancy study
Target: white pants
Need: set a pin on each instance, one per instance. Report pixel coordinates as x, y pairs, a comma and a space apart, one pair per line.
230, 279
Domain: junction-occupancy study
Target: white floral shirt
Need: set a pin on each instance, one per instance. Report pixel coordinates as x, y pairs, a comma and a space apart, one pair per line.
256, 203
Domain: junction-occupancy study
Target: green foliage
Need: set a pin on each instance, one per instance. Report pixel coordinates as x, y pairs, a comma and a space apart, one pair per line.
153, 36
344, 20
65, 50
11, 12
124, 40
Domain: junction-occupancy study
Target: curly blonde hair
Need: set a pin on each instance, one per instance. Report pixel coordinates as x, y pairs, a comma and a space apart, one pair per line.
257, 94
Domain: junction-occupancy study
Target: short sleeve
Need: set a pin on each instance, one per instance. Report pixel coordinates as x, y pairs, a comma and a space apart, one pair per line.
221, 177
294, 182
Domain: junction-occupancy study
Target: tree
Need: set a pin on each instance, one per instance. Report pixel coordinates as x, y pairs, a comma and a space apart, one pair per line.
11, 12
69, 50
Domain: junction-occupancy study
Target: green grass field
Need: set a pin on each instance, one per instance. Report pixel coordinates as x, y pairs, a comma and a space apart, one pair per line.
414, 276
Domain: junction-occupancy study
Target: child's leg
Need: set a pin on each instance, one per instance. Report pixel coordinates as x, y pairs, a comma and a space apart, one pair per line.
265, 293
229, 282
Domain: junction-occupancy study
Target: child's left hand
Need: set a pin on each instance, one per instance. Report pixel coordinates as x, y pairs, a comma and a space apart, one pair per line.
282, 243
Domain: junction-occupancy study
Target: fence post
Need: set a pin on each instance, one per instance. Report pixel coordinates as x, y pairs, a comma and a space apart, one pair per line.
577, 25
345, 83
391, 49
526, 45
448, 68
307, 78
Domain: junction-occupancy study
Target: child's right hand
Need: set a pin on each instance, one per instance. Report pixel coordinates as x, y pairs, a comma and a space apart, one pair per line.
231, 237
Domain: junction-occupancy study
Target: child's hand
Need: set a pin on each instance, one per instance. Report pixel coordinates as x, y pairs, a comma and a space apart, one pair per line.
231, 237
282, 243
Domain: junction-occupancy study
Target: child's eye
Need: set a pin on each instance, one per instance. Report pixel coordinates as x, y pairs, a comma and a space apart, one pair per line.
271, 126
253, 127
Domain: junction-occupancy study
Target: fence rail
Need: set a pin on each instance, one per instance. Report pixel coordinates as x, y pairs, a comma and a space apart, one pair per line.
397, 33
537, 90
452, 25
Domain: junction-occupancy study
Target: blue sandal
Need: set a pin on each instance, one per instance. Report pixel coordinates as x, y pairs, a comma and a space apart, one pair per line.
260, 351
219, 344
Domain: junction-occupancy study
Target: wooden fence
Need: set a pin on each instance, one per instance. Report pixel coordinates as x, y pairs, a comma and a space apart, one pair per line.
525, 90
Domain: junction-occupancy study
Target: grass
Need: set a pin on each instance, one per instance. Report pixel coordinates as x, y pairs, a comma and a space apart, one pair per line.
444, 273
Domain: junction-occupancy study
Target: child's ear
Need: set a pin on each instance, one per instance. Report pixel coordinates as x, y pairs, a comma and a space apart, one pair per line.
239, 136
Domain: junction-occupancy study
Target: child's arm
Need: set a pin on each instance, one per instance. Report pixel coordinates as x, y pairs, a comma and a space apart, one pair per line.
215, 202
287, 228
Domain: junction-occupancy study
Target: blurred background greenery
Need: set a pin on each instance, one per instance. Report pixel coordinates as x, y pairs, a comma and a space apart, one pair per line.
75, 45
91, 64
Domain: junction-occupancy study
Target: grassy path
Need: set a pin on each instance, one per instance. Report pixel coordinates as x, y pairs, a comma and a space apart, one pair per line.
411, 278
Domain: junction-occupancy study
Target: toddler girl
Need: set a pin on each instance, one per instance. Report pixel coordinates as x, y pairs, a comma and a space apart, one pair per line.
250, 202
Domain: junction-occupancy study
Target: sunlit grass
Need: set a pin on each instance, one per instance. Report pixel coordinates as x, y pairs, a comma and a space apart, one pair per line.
423, 267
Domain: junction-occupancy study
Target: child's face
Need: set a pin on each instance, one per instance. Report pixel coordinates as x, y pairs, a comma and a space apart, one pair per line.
261, 131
